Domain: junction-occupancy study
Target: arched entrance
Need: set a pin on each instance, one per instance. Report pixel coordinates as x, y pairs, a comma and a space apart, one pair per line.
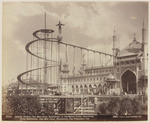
129, 82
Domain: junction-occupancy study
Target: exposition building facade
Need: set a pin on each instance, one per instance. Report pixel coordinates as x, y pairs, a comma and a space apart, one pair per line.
128, 75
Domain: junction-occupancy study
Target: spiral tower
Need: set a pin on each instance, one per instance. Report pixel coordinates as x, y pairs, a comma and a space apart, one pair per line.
48, 60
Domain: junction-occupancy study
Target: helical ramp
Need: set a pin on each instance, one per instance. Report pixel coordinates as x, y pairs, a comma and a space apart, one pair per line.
50, 59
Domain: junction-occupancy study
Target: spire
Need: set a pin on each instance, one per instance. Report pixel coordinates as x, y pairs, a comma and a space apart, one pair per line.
45, 20
113, 49
143, 36
114, 39
114, 36
114, 31
143, 23
143, 33
143, 47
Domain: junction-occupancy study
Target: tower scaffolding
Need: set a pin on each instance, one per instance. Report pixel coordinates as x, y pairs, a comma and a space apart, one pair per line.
45, 54
45, 61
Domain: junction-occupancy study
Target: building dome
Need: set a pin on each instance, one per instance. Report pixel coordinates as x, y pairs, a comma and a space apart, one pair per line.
135, 46
132, 49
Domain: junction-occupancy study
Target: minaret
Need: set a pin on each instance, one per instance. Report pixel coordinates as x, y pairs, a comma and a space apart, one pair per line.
113, 49
143, 47
65, 69
83, 61
143, 36
65, 72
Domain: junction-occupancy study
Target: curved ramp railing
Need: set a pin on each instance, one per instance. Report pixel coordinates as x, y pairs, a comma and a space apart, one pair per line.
49, 58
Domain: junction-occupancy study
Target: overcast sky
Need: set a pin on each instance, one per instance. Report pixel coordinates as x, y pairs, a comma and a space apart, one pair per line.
88, 24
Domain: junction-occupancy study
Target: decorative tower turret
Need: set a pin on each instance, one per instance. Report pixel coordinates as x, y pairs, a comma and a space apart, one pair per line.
65, 69
114, 50
83, 61
143, 48
83, 64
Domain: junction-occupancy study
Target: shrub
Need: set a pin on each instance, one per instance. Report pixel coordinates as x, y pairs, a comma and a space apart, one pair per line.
125, 107
136, 106
24, 105
102, 108
114, 106
122, 106
48, 109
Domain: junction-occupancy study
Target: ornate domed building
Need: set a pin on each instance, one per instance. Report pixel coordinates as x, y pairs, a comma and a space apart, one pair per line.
128, 75
130, 68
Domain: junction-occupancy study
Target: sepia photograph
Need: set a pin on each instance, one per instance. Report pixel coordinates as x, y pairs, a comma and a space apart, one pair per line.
75, 61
